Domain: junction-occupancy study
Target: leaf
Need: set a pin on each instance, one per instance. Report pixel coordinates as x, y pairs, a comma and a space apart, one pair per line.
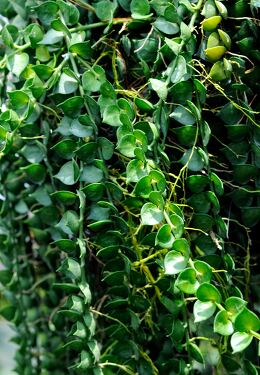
93, 79
193, 159
195, 352
47, 12
105, 9
165, 26
70, 268
139, 8
19, 63
69, 173
247, 321
36, 172
164, 237
151, 214
240, 341
159, 87
208, 292
222, 324
183, 115
58, 25
72, 106
91, 174
135, 170
174, 262
111, 115
211, 23
82, 49
187, 281
178, 74
66, 84
69, 223
203, 310
51, 37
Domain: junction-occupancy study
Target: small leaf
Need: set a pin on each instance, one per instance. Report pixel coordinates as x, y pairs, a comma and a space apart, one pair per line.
151, 214
174, 262
69, 223
69, 173
210, 24
160, 87
183, 115
19, 63
187, 281
222, 324
164, 237
208, 292
247, 321
139, 9
72, 106
70, 268
240, 341
195, 352
203, 310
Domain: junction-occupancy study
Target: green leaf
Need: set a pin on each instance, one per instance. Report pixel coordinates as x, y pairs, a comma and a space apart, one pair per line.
151, 214
183, 115
240, 341
217, 184
181, 245
135, 170
51, 37
65, 148
47, 12
66, 245
18, 63
178, 74
91, 174
66, 84
174, 262
139, 8
93, 79
69, 223
65, 197
34, 153
247, 321
234, 305
193, 159
195, 352
187, 281
164, 237
204, 271
250, 216
160, 87
72, 106
105, 10
197, 183
111, 115
87, 152
165, 26
82, 49
69, 173
58, 25
222, 324
208, 292
36, 172
69, 12
70, 268
203, 310
178, 225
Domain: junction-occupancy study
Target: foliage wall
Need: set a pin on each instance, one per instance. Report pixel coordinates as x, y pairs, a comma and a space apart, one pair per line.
129, 193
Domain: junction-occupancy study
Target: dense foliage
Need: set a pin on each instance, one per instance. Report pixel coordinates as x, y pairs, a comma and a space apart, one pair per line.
130, 154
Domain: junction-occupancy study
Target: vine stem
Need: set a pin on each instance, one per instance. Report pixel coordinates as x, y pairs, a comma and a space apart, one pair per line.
255, 334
